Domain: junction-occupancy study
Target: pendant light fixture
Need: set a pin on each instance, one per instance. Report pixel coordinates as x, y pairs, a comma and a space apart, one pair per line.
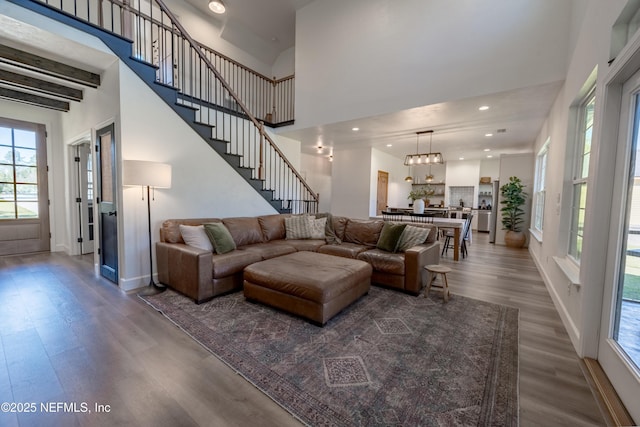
423, 158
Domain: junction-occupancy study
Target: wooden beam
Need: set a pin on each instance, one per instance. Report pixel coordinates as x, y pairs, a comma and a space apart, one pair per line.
37, 100
46, 66
41, 86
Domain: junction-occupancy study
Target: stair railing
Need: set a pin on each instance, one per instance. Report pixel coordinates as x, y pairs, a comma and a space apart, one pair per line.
160, 39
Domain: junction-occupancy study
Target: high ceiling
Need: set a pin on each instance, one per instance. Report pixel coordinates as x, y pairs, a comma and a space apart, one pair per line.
265, 28
514, 119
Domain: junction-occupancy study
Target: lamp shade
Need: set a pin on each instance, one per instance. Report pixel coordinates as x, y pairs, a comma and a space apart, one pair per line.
152, 174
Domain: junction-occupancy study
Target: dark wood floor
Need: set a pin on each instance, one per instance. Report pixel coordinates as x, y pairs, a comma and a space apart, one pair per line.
68, 337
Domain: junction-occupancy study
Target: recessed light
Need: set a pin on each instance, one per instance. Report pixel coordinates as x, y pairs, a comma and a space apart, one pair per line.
216, 6
389, 145
484, 108
488, 134
461, 158
487, 149
355, 129
489, 156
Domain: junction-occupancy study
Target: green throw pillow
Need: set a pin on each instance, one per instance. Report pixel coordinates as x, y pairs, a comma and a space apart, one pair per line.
390, 236
220, 237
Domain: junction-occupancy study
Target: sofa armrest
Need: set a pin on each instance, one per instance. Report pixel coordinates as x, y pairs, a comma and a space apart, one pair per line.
186, 269
415, 259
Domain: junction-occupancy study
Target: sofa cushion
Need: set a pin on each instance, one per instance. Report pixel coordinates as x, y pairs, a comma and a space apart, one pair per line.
317, 227
383, 261
272, 226
195, 235
390, 236
412, 236
339, 224
345, 249
297, 227
329, 232
269, 250
233, 262
170, 229
363, 232
220, 237
308, 245
244, 230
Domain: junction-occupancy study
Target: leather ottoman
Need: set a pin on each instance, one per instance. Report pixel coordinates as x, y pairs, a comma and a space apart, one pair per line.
311, 285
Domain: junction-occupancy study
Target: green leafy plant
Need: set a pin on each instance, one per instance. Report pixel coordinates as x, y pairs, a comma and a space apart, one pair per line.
416, 194
513, 197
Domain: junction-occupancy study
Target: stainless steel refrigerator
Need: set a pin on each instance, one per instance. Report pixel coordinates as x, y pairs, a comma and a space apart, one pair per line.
495, 210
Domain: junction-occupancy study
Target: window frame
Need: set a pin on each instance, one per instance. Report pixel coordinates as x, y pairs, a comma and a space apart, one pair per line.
539, 194
580, 175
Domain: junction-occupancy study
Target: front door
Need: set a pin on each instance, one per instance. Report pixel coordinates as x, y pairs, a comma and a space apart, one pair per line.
106, 200
24, 200
383, 191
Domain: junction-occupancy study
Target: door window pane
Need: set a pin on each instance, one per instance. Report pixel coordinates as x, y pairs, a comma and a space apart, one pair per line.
627, 321
5, 136
7, 210
27, 210
18, 174
26, 157
24, 138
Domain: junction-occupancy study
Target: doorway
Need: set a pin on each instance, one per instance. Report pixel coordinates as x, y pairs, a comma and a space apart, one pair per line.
83, 169
106, 168
24, 194
619, 342
383, 192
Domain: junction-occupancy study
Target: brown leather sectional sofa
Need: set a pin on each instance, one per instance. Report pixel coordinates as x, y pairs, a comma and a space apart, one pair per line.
201, 274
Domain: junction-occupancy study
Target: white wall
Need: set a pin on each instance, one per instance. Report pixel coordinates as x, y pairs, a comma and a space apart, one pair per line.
464, 48
490, 168
350, 183
316, 170
203, 184
463, 173
398, 189
207, 29
579, 308
285, 64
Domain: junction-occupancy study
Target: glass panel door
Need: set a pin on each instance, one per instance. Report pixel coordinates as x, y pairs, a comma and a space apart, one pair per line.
626, 329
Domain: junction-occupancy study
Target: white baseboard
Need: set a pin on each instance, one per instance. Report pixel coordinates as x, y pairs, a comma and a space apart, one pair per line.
569, 325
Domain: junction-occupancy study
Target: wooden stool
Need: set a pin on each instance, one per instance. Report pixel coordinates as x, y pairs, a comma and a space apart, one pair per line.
436, 269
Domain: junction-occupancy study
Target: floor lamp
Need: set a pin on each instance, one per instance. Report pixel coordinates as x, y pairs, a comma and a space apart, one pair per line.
151, 175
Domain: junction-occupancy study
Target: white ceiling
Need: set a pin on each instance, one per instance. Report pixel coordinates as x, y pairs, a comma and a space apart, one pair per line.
459, 127
265, 28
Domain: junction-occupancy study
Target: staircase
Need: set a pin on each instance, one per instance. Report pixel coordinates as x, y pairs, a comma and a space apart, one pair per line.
151, 41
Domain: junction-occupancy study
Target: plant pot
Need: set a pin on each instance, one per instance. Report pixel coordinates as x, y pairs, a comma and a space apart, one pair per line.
515, 239
418, 206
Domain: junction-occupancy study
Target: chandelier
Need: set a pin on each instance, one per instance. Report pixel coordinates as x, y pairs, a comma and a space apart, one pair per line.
423, 158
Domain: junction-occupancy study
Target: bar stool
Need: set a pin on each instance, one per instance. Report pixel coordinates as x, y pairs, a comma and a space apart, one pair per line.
436, 269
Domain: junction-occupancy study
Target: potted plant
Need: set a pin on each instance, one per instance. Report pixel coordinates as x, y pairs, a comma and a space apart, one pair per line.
417, 196
428, 192
513, 198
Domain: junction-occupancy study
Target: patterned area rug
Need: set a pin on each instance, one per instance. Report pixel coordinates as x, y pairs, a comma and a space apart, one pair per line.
389, 359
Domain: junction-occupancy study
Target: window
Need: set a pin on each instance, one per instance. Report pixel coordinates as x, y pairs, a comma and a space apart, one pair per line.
540, 187
580, 175
18, 174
